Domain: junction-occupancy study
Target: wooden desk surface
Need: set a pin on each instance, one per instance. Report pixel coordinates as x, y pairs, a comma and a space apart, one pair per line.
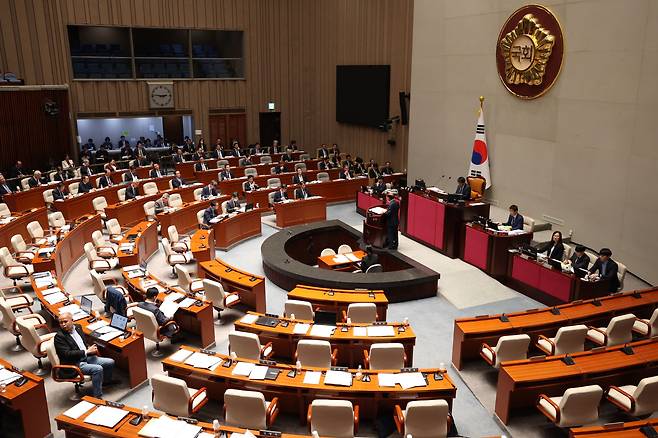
328, 261
300, 211
236, 227
124, 429
345, 296
19, 225
614, 430
145, 242
250, 287
202, 245
470, 333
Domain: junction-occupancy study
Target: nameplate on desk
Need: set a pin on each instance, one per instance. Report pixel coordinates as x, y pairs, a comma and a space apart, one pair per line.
339, 369
267, 362
273, 433
208, 352
114, 404
409, 370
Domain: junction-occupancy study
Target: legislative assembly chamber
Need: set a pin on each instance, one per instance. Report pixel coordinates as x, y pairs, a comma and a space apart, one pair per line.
328, 218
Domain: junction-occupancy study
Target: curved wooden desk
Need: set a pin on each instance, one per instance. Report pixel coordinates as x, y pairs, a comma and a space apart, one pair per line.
202, 245
237, 227
28, 402
337, 300
470, 333
295, 395
615, 430
520, 382
300, 211
349, 344
250, 287
489, 249
184, 217
187, 168
19, 225
144, 237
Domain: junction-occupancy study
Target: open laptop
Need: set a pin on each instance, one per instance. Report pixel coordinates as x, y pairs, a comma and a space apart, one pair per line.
324, 318
85, 305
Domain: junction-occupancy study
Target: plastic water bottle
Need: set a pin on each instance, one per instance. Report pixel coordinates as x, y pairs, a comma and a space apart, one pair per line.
216, 427
405, 321
349, 320
315, 434
292, 316
359, 373
298, 366
145, 412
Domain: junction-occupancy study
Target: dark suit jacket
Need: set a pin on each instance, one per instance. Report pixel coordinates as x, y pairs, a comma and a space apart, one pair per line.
131, 193
160, 317
154, 174
325, 166
198, 167
85, 170
67, 350
323, 152
464, 191
279, 169
297, 180
287, 157
249, 188
178, 158
515, 222
225, 175
129, 177
197, 157
177, 182
207, 192
368, 261
392, 214
378, 189
610, 273
578, 264
278, 197
387, 170
58, 194
32, 182
232, 205
84, 187
4, 189
299, 194
127, 152
105, 181
208, 214
343, 175
59, 177
373, 173
556, 252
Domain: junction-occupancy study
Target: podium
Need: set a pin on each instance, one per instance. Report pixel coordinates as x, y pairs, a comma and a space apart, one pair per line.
374, 226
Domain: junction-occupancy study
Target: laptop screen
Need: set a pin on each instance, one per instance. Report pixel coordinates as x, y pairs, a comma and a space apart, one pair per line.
119, 322
85, 305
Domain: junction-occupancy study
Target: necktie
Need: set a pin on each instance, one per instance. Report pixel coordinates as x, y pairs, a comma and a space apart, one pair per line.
6, 188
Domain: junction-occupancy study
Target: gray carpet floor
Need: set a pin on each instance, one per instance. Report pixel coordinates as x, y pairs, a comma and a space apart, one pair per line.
463, 291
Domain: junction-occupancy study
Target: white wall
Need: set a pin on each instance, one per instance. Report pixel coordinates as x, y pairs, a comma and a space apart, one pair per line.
586, 152
98, 129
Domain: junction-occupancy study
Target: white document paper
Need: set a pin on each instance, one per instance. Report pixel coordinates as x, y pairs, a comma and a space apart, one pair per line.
51, 290
387, 380
55, 298
187, 302
107, 337
106, 416
352, 257
360, 331
380, 331
340, 258
249, 319
312, 377
411, 380
243, 369
378, 210
174, 296
301, 329
322, 331
78, 410
166, 427
8, 376
340, 378
180, 355
169, 307
44, 281
258, 372
98, 324
205, 361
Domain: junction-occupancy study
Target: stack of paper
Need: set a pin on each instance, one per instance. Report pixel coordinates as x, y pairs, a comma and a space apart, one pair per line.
243, 369
410, 380
8, 376
258, 372
378, 210
6, 220
169, 307
55, 298
203, 361
352, 257
322, 331
76, 312
78, 410
387, 380
44, 281
360, 331
50, 290
98, 324
312, 377
127, 247
107, 333
339, 378
380, 331
249, 319
166, 427
46, 250
106, 416
301, 329
340, 258
187, 302
180, 355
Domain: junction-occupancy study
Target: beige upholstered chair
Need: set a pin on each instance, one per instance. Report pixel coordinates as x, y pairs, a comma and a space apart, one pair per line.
149, 210
186, 282
146, 323
568, 250
344, 249
247, 346
65, 373
647, 327
265, 159
22, 252
14, 270
174, 397
4, 210
528, 224
32, 340
114, 229
197, 193
300, 166
17, 302
270, 198
175, 200
221, 163
221, 300
385, 356
327, 251
224, 208
511, 347
273, 183
578, 406
150, 188
97, 263
249, 410
199, 218
100, 204
313, 353
251, 171
333, 418
74, 187
361, 313
301, 309
100, 285
621, 274
304, 157
48, 197
423, 419
567, 340
323, 177
103, 248
35, 231
10, 318
618, 331
636, 400
121, 194
177, 244
25, 185
175, 258
56, 219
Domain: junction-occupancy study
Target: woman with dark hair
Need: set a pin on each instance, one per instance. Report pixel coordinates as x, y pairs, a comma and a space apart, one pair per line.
555, 248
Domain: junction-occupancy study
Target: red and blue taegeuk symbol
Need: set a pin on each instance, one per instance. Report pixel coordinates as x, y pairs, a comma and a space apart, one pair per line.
479, 152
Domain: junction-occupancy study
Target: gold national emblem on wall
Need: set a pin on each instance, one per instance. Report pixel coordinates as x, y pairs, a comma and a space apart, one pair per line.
529, 51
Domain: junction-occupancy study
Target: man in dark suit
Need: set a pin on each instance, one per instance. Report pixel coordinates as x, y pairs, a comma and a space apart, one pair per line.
85, 186
17, 170
200, 166
515, 220
299, 177
392, 222
379, 188
216, 152
233, 204
210, 213
85, 169
236, 149
279, 169
177, 181
280, 195
72, 350
373, 170
89, 146
59, 176
579, 261
463, 189
106, 180
102, 155
287, 157
250, 185
155, 172
35, 179
178, 157
323, 152
370, 259
130, 175
167, 327
275, 149
199, 154
325, 164
387, 169
345, 172
4, 187
302, 192
226, 173
210, 190
256, 149
604, 268
107, 143
132, 191
246, 161
127, 151
59, 192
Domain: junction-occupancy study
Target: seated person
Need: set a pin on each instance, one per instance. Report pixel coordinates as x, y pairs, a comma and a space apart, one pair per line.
280, 195
287, 157
85, 169
4, 187
370, 259
246, 161
226, 173
463, 189
178, 156
345, 173
379, 188
280, 168
177, 181
115, 302
302, 192
515, 220
387, 169
210, 190
130, 175
151, 305
112, 165
200, 166
373, 170
553, 249
132, 191
299, 177
162, 203
72, 350
102, 155
198, 154
237, 152
107, 144
233, 204
604, 268
359, 168
60, 175
106, 180
250, 185
211, 212
155, 172
325, 164
35, 180
579, 261
59, 192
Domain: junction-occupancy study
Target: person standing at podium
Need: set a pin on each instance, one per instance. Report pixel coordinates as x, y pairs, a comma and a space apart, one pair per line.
463, 189
515, 220
392, 222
